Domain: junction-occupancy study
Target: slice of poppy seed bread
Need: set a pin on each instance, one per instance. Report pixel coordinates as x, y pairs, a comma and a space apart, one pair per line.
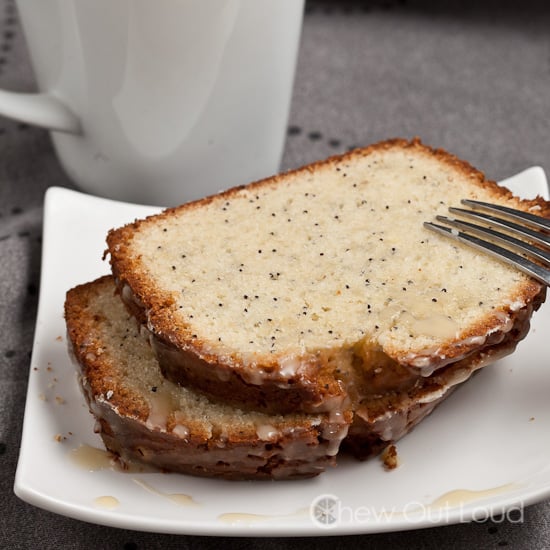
145, 418
320, 289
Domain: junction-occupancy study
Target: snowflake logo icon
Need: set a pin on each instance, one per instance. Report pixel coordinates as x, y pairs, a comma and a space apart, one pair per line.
324, 511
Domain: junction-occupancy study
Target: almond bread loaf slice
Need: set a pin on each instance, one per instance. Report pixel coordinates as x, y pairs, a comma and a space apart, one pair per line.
320, 289
145, 418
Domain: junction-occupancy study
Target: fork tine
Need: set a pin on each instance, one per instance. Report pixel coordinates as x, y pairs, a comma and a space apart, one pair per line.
533, 235
523, 264
507, 240
519, 215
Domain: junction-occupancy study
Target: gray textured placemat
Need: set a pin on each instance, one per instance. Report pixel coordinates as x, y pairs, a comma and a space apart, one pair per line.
472, 77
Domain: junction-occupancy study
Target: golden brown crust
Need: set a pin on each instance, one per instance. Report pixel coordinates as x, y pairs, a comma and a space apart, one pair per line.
220, 381
88, 351
238, 460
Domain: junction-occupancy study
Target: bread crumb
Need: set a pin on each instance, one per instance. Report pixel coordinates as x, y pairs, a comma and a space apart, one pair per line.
389, 457
59, 400
59, 339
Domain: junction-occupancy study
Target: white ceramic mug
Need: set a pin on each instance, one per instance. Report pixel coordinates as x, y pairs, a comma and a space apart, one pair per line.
161, 101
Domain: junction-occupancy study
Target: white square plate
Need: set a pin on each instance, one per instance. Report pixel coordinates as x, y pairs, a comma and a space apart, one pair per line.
484, 451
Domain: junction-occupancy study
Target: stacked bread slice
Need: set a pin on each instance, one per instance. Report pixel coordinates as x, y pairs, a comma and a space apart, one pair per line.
259, 332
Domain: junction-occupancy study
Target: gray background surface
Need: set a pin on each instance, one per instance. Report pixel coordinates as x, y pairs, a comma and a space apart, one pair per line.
471, 77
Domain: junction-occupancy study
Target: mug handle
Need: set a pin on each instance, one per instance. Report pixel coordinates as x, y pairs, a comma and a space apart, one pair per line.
44, 110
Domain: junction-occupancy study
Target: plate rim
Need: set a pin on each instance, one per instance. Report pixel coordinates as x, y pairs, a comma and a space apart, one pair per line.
55, 196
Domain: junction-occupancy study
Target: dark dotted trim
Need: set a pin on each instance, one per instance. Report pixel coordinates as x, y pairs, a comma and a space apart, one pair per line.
22, 233
8, 33
493, 530
317, 136
350, 7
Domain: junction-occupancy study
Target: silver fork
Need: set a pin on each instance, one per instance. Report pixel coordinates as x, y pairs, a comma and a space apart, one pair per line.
535, 229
